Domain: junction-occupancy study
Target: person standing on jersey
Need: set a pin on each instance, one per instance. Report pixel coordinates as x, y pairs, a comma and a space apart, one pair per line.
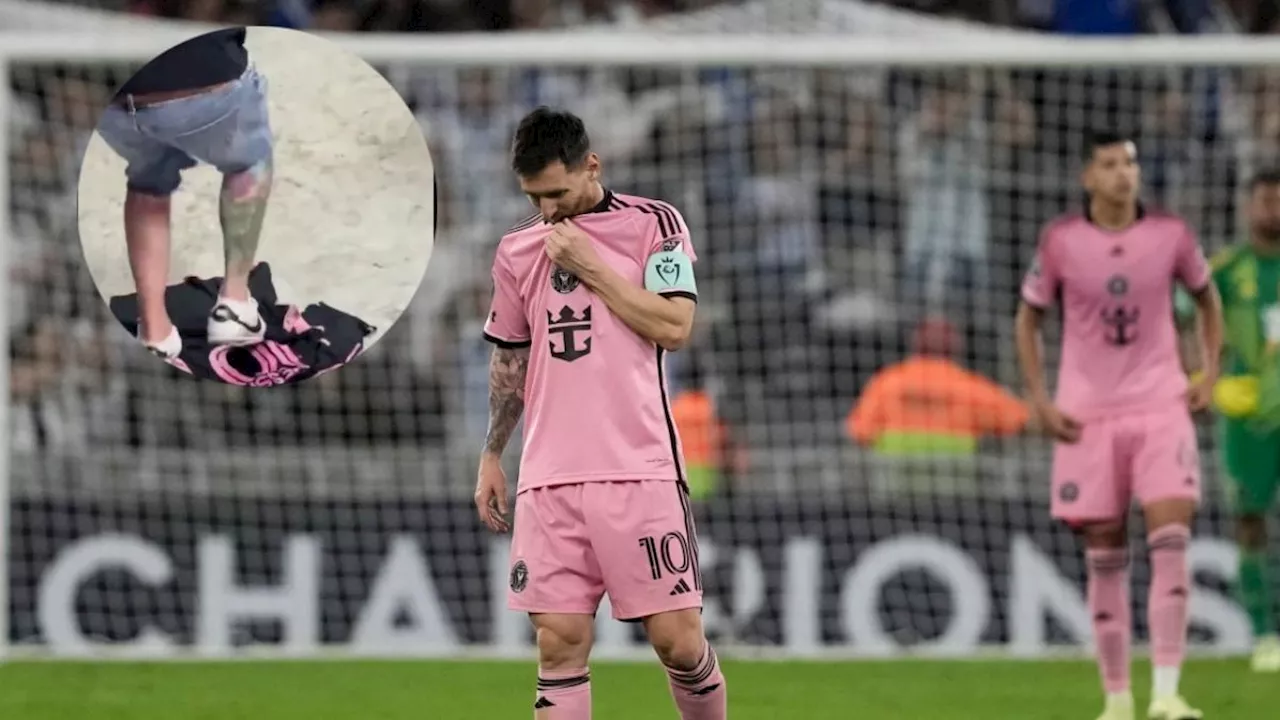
199, 102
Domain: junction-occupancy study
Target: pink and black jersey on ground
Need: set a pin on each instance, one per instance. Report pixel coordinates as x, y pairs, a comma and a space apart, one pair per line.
300, 343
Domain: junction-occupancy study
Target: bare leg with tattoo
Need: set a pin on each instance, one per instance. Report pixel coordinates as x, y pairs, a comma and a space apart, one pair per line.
242, 208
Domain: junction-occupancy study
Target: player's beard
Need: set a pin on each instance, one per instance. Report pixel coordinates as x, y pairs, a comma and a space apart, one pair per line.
559, 215
1269, 235
581, 209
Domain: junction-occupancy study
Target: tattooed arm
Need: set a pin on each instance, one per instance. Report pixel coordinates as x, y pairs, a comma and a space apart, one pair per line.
507, 370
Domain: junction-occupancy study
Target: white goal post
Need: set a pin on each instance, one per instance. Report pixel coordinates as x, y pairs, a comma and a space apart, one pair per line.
86, 535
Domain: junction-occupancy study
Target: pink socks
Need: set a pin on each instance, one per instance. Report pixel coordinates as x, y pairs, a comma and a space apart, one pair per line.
563, 695
1108, 596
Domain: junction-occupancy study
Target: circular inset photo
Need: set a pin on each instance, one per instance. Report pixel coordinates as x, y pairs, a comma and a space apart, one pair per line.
256, 206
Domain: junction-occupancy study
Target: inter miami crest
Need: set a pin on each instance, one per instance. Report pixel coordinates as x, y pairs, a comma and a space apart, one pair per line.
1118, 286
1069, 492
519, 576
563, 281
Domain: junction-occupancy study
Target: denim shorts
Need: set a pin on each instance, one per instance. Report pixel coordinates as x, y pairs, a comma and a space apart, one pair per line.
227, 128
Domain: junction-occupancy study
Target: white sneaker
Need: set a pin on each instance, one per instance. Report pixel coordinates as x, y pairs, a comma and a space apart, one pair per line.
1266, 655
1119, 707
236, 322
1172, 707
167, 349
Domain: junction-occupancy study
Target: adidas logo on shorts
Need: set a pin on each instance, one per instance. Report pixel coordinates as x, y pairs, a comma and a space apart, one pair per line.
681, 588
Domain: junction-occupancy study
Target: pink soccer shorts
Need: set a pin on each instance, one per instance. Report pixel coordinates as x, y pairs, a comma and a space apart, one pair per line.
1148, 456
634, 540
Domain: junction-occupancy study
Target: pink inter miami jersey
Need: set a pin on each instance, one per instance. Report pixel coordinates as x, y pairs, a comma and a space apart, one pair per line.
1119, 347
595, 395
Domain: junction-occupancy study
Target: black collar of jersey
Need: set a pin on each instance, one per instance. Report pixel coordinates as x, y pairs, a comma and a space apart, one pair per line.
604, 205
1137, 217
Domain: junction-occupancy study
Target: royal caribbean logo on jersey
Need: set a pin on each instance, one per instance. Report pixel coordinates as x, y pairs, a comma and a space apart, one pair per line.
1121, 321
573, 331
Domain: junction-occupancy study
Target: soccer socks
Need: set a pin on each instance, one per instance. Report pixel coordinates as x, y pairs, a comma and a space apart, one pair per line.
563, 695
1255, 592
1167, 609
700, 693
1108, 595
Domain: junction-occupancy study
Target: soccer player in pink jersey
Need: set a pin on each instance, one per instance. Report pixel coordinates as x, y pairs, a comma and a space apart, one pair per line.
1121, 416
589, 293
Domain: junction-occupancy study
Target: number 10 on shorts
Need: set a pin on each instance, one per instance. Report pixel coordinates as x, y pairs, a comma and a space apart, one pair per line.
670, 553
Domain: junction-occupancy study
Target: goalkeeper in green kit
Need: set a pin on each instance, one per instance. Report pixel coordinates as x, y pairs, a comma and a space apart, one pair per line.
1248, 401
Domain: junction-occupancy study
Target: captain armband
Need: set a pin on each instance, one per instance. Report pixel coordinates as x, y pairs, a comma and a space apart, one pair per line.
670, 273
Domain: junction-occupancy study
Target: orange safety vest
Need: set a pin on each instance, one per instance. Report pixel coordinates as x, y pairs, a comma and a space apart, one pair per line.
927, 405
703, 437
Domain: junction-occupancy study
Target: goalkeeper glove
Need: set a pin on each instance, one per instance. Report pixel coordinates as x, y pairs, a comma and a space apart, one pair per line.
1236, 397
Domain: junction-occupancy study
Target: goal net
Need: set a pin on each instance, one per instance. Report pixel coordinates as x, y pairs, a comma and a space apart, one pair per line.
839, 191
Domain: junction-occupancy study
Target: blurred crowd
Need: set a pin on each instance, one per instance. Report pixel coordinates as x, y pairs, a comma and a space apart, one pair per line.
406, 15
1086, 16
833, 211
1119, 17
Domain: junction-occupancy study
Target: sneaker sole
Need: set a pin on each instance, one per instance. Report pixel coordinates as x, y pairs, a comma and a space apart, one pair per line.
237, 341
162, 354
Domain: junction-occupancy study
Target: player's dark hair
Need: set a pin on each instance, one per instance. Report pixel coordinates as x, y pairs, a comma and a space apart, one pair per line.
546, 136
1269, 177
1101, 138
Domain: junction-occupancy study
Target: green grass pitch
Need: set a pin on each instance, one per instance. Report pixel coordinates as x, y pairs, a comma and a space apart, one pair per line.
443, 690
